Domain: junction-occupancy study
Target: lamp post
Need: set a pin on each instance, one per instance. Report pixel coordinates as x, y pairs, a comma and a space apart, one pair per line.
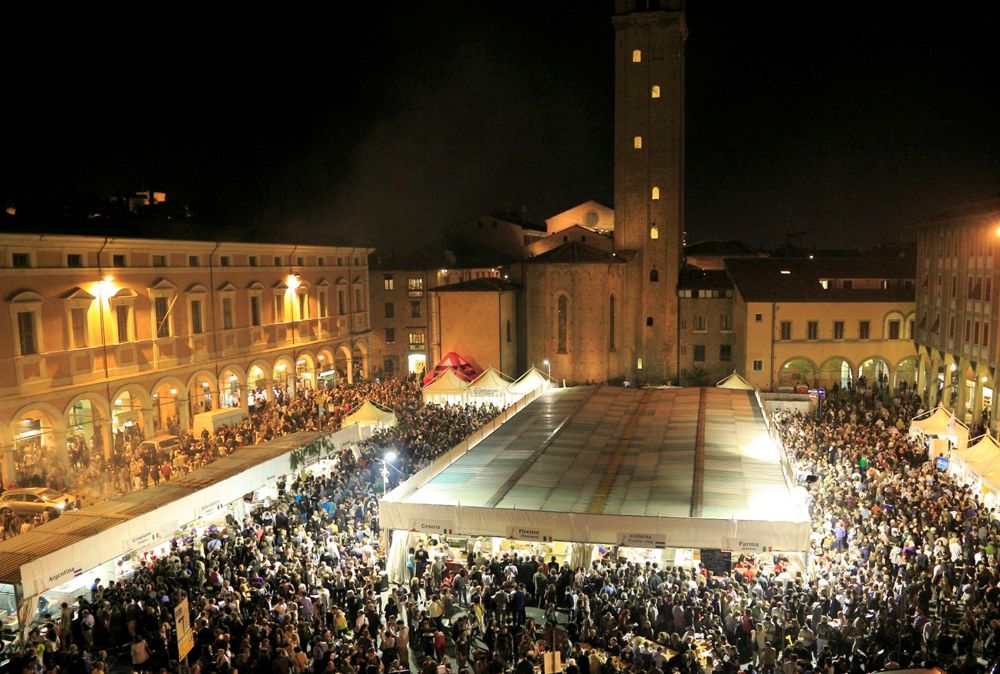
548, 365
386, 461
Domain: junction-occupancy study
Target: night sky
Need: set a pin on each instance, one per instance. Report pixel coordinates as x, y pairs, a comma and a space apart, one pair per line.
849, 120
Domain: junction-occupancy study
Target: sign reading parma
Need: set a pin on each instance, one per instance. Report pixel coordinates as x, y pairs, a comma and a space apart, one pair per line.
529, 534
634, 540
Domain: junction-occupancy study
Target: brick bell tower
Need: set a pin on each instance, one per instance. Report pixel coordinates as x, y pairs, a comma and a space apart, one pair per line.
649, 180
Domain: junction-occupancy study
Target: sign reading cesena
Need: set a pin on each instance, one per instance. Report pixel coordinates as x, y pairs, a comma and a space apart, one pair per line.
634, 540
431, 527
529, 534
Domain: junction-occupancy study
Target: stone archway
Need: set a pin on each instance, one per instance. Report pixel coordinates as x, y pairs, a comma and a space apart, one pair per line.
283, 375
305, 372
359, 359
38, 453
170, 406
906, 373
835, 371
797, 372
202, 393
232, 387
326, 371
875, 371
342, 361
88, 430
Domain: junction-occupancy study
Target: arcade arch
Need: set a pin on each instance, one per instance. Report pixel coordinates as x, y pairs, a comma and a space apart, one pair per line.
796, 372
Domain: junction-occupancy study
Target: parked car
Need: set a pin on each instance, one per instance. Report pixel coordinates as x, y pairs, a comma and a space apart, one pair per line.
28, 501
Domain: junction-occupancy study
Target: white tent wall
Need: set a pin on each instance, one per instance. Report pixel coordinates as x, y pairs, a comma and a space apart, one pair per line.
399, 546
677, 532
149, 528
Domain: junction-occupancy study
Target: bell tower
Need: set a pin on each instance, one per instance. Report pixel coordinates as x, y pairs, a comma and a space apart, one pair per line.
649, 180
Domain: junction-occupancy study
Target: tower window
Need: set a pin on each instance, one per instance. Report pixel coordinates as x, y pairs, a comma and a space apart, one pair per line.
654, 232
562, 309
654, 275
656, 193
636, 56
637, 142
649, 321
655, 91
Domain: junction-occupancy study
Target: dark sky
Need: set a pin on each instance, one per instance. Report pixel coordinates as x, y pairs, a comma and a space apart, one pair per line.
847, 119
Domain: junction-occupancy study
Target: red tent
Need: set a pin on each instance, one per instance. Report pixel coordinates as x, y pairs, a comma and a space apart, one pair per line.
452, 361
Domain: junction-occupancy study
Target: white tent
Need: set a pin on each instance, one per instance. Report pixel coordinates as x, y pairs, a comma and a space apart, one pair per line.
974, 457
735, 381
370, 414
448, 388
528, 382
492, 386
941, 423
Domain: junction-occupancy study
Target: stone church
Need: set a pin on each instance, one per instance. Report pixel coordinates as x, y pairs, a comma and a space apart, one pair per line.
600, 312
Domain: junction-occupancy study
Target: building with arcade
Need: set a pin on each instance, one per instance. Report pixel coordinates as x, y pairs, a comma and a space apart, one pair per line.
105, 334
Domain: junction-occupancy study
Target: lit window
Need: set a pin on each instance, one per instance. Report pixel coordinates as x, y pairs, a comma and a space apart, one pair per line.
637, 142
655, 91
387, 282
654, 232
636, 56
656, 193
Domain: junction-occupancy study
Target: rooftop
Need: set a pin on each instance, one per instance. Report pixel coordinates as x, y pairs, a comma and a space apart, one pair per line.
799, 279
686, 465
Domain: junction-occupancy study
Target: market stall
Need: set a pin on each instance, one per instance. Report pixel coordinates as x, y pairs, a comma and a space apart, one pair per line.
491, 387
370, 415
447, 389
942, 429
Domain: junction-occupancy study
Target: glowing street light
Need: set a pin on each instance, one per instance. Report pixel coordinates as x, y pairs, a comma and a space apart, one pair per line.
548, 365
387, 460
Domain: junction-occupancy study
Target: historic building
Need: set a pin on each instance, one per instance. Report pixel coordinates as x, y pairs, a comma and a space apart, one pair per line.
598, 315
101, 333
823, 322
956, 325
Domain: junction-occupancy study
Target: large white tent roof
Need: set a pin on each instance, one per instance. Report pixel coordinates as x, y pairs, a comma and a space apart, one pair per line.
680, 467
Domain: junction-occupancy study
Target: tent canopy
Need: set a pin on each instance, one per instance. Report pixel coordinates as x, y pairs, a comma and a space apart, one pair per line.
447, 386
735, 381
980, 452
452, 361
941, 423
491, 384
528, 381
546, 474
370, 414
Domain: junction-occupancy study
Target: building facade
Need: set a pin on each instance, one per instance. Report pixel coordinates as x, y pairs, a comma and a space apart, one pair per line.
104, 334
823, 322
957, 258
649, 181
705, 330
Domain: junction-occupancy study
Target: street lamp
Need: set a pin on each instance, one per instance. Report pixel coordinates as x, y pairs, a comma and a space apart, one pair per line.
548, 365
386, 461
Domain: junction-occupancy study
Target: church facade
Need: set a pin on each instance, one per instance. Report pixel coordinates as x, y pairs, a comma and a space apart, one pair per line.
600, 316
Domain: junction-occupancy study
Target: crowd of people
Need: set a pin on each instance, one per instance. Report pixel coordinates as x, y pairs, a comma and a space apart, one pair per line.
902, 571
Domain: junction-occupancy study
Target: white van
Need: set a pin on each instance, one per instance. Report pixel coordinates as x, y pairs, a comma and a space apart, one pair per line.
216, 419
165, 445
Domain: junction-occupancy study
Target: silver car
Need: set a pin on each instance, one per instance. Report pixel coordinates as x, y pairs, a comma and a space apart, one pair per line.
27, 501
